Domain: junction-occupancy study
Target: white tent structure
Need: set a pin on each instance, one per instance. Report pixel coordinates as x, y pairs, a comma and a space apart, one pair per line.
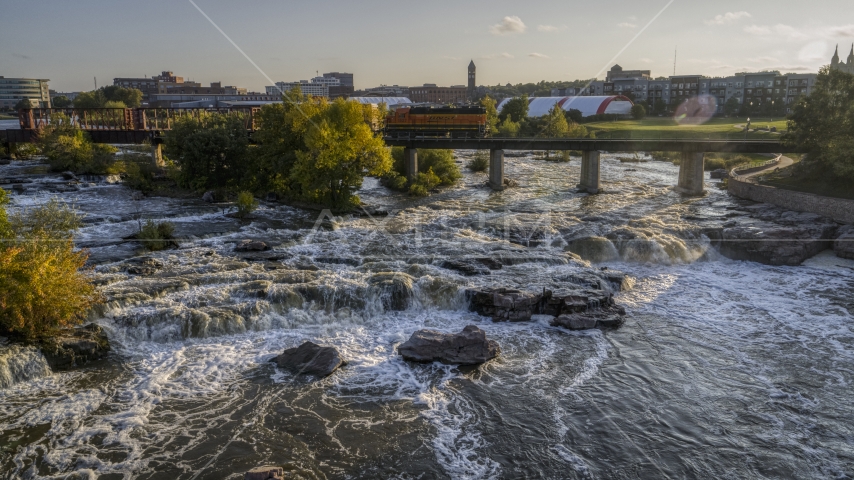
589, 106
389, 101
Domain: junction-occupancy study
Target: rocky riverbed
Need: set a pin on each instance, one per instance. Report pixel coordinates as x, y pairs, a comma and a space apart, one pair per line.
613, 313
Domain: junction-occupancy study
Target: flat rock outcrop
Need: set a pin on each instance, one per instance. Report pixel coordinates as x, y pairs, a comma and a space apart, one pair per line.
75, 347
574, 309
251, 246
777, 244
469, 347
310, 359
265, 473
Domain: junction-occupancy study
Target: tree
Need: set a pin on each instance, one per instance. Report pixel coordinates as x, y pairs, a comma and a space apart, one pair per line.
42, 287
210, 149
556, 125
131, 97
516, 108
280, 134
731, 107
60, 102
93, 99
490, 105
508, 128
574, 116
339, 151
823, 124
102, 98
638, 112
23, 104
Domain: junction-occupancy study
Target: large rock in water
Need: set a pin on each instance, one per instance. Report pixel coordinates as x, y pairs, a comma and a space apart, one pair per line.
394, 288
75, 347
469, 347
844, 244
310, 359
265, 473
580, 309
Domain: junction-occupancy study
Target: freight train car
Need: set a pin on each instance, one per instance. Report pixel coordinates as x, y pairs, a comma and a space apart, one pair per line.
437, 122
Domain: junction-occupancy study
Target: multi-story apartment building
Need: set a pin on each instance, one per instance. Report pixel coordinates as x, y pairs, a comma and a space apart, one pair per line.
317, 87
344, 79
431, 93
798, 85
684, 87
13, 90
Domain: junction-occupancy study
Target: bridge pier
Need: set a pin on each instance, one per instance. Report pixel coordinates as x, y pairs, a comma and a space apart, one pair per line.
691, 174
410, 163
157, 155
589, 172
496, 169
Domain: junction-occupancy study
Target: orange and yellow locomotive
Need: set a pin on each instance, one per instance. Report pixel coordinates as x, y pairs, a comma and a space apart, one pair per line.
437, 122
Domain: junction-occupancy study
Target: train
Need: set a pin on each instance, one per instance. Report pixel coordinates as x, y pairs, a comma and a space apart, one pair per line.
446, 121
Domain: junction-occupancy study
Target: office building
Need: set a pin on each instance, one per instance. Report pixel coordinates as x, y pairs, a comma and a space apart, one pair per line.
13, 90
431, 93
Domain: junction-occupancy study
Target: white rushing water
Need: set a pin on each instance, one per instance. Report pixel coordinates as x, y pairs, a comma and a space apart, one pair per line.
724, 369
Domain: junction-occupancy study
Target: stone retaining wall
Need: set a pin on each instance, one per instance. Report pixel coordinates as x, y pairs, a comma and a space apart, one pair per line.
838, 209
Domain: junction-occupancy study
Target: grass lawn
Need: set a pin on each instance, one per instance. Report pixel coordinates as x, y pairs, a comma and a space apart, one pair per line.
819, 186
666, 127
4, 116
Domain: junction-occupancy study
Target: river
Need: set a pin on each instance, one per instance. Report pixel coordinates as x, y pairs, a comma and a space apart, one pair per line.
724, 369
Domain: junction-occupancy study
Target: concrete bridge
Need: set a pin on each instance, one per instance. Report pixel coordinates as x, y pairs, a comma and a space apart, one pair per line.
691, 168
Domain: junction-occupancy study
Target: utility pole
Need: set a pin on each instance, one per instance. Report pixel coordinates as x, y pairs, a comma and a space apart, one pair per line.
96, 82
675, 50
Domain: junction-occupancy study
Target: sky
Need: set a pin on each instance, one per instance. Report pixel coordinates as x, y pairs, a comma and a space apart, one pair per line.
412, 43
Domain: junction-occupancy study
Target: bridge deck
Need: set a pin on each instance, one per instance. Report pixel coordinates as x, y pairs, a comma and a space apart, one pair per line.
605, 145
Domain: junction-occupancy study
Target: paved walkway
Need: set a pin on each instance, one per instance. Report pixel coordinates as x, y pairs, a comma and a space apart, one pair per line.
784, 162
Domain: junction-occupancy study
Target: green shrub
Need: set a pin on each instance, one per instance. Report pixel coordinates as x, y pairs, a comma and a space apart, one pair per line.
25, 151
479, 163
435, 167
156, 235
246, 204
42, 286
138, 172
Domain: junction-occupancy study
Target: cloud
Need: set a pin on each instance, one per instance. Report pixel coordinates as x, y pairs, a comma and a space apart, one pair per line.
509, 26
497, 55
627, 25
757, 30
785, 32
645, 60
537, 55
550, 28
763, 59
446, 57
813, 51
21, 56
843, 31
727, 18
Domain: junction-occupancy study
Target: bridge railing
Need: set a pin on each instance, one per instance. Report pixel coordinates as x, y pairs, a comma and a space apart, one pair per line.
126, 119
